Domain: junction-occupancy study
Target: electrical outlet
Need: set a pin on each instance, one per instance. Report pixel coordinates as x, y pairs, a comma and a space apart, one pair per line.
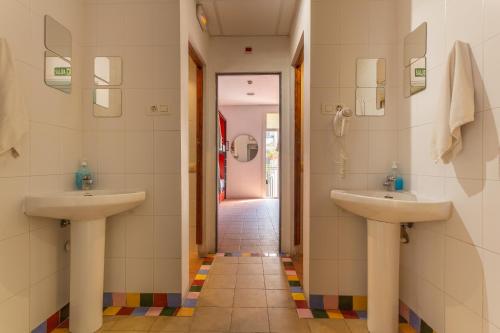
158, 110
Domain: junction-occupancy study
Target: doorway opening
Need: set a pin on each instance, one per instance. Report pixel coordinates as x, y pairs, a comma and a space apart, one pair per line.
248, 163
272, 158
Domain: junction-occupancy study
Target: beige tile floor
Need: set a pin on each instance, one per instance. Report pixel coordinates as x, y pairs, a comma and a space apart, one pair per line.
248, 226
245, 294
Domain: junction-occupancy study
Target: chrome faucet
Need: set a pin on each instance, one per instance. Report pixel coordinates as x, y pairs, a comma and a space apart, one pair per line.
389, 183
87, 183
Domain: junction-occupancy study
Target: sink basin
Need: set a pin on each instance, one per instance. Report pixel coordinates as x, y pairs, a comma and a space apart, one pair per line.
385, 211
392, 207
87, 211
83, 205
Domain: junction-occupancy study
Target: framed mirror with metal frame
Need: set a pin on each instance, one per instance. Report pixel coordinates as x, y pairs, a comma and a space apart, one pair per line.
415, 61
58, 56
370, 87
244, 148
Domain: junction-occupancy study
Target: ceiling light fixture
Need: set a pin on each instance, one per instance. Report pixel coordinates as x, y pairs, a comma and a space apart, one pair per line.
202, 17
250, 94
250, 82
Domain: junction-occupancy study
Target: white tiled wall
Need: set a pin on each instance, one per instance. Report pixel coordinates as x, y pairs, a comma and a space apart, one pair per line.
34, 268
342, 31
143, 252
450, 270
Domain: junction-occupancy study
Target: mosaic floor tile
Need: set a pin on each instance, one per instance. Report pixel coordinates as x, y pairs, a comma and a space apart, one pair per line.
405, 328
319, 313
305, 313
140, 311
111, 311
185, 312
125, 311
298, 296
153, 312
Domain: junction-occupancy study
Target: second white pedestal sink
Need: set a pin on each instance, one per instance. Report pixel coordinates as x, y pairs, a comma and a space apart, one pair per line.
87, 211
385, 211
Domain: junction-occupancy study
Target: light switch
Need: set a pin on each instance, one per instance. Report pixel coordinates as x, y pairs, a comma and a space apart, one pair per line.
328, 109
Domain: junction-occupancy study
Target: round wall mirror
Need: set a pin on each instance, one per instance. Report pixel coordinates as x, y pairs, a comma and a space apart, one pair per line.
244, 148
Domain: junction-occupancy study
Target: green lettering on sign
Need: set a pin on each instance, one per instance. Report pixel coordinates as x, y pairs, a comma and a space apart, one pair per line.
419, 72
62, 71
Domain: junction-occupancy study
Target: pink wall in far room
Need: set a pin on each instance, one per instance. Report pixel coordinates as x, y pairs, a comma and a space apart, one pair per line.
246, 179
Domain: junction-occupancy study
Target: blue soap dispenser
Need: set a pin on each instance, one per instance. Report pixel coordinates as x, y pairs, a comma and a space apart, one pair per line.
398, 180
83, 173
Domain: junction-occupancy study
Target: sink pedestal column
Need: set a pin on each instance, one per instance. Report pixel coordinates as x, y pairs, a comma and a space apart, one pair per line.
87, 275
383, 276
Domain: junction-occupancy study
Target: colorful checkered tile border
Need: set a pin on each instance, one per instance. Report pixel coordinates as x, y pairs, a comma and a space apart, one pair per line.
306, 312
247, 254
164, 304
142, 304
55, 321
334, 302
410, 322
136, 300
130, 304
153, 305
347, 307
191, 300
159, 304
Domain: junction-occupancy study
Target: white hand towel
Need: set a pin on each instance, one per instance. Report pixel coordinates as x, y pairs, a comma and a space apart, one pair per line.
13, 116
455, 105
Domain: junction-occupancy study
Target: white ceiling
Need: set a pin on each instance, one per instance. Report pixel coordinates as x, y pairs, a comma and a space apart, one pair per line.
233, 89
249, 17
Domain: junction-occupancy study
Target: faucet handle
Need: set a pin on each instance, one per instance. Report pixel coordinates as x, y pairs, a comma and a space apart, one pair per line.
87, 182
390, 183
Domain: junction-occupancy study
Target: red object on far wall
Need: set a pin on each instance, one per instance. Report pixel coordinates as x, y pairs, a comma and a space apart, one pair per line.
222, 157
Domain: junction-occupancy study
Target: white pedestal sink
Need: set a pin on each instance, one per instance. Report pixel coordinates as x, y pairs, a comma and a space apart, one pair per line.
385, 211
87, 211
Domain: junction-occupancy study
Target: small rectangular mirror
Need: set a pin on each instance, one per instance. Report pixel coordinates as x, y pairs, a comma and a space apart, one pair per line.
107, 102
415, 77
415, 62
57, 72
415, 45
370, 87
58, 38
370, 73
108, 71
370, 101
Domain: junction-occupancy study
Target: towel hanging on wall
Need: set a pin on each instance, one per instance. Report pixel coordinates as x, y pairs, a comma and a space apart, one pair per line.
13, 117
455, 104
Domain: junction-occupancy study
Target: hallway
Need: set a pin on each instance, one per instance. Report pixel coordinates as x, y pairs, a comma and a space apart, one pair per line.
248, 226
